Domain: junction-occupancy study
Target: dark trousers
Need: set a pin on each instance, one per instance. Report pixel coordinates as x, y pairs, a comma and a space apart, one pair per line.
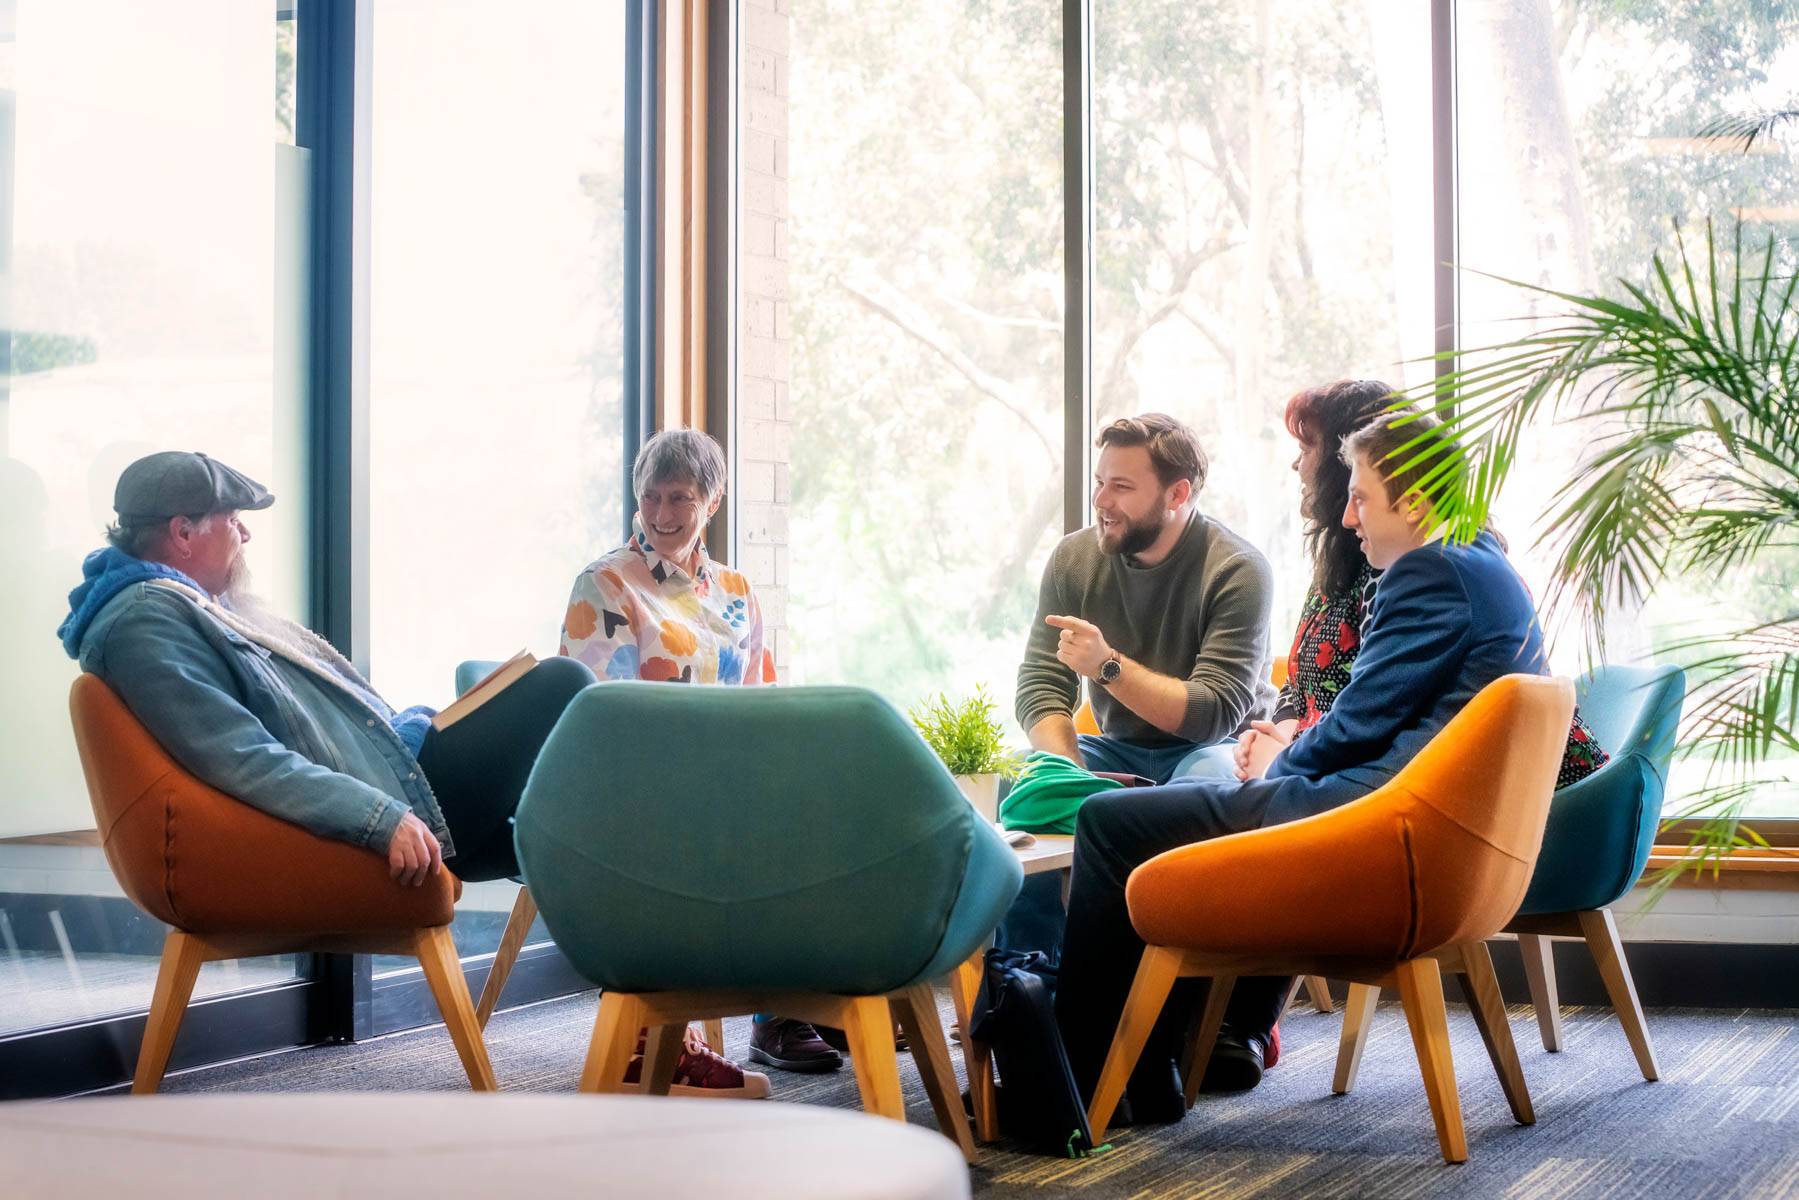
1115, 832
477, 767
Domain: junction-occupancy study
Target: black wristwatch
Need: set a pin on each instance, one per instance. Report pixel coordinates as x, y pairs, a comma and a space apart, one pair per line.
1110, 670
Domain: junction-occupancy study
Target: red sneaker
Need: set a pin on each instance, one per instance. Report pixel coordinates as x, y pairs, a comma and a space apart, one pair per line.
701, 1071
1273, 1054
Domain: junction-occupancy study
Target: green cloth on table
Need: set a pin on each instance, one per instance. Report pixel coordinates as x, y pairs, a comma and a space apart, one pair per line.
1048, 793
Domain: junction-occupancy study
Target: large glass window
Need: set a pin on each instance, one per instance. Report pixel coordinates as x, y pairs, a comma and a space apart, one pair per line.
925, 249
495, 328
1262, 207
1580, 155
152, 295
496, 296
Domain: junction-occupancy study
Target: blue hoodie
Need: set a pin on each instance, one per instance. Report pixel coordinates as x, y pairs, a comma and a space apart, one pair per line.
104, 574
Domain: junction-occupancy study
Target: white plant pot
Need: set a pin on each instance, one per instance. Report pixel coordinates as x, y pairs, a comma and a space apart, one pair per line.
982, 792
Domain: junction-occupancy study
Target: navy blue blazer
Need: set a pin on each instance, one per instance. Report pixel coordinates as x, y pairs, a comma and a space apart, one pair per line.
1445, 622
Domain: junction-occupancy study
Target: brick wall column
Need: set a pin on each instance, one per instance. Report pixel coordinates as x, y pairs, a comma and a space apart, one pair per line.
764, 334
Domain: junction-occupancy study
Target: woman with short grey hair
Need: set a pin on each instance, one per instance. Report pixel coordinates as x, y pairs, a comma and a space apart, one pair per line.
660, 608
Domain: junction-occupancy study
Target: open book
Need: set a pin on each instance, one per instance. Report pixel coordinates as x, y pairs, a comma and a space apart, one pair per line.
491, 685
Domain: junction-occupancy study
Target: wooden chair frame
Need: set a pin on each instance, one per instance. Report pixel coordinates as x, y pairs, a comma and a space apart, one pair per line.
518, 925
1317, 990
183, 954
1420, 985
524, 912
867, 1021
1597, 929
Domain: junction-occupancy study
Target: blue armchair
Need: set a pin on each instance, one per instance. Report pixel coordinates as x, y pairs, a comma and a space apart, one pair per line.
1597, 844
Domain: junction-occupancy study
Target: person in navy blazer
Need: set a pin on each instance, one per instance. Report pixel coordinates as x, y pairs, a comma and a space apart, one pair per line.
1446, 620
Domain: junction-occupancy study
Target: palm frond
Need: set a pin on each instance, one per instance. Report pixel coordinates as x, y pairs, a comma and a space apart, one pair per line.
1747, 127
1743, 702
1719, 829
1693, 365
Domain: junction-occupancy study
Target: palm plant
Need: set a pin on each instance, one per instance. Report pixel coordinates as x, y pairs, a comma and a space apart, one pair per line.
1685, 394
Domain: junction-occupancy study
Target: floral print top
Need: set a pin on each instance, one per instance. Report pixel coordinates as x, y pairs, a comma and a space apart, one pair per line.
636, 615
1327, 641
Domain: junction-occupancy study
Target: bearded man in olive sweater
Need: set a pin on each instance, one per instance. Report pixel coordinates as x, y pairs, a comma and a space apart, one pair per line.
1161, 610
1164, 613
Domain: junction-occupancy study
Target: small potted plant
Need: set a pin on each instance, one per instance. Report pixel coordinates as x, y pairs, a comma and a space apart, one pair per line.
969, 740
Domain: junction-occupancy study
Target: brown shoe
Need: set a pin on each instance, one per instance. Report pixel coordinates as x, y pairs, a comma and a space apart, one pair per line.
700, 1071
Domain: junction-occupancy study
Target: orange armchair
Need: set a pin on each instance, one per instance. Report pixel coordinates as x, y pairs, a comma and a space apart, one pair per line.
234, 882
1391, 889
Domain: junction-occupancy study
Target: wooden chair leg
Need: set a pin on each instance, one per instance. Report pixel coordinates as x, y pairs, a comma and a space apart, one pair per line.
443, 971
1156, 973
977, 1056
524, 911
1421, 991
662, 1048
1539, 974
615, 1029
868, 1028
1292, 993
1358, 1016
1205, 1037
916, 1008
1608, 954
1319, 993
1487, 1007
182, 954
714, 1033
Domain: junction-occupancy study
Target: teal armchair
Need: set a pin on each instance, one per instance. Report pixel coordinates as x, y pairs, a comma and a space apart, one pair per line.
702, 852
472, 671
1597, 843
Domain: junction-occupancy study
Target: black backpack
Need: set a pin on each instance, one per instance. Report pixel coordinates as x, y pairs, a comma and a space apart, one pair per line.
1015, 1014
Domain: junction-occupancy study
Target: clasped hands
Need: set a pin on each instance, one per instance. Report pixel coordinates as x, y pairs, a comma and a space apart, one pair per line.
1259, 746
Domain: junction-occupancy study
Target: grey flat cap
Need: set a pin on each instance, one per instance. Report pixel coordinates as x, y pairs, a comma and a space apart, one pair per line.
184, 483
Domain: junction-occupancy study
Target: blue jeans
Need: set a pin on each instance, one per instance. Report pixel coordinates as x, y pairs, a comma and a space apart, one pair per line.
1036, 918
1183, 760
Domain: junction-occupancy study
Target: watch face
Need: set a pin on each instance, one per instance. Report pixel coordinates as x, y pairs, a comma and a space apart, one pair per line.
1109, 671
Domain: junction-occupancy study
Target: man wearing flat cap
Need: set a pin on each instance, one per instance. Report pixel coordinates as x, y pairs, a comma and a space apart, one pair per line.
266, 711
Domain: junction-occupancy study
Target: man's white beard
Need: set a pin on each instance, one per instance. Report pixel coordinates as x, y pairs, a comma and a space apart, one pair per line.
255, 612
237, 583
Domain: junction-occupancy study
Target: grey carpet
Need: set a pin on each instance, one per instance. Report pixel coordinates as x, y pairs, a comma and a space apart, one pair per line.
1724, 1121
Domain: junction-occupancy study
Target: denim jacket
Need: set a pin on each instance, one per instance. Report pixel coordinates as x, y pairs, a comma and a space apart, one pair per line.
256, 720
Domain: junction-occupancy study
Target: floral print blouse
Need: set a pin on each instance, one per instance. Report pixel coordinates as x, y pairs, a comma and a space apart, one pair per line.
1327, 641
636, 615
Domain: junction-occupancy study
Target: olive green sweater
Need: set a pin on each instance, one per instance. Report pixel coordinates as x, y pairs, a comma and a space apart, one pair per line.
1200, 615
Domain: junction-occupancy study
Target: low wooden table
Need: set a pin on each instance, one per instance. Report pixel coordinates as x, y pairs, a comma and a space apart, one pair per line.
1050, 852
448, 1146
